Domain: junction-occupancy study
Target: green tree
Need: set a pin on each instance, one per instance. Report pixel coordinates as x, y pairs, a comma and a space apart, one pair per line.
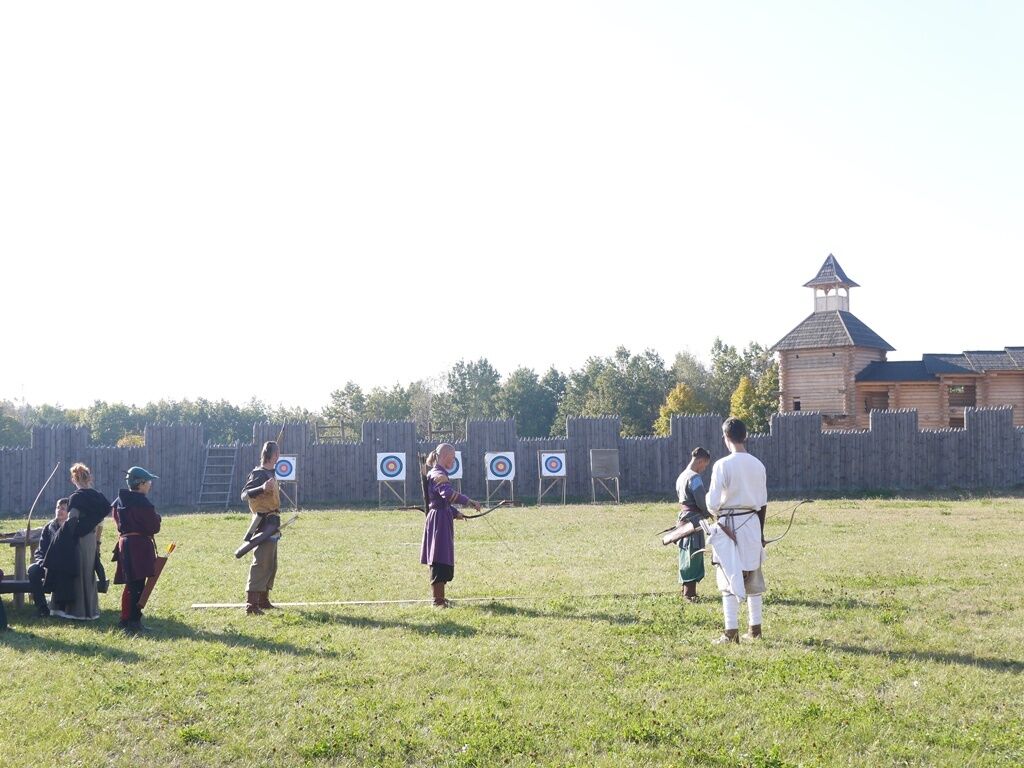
347, 405
688, 370
388, 404
532, 404
630, 386
473, 388
727, 367
13, 434
742, 402
766, 398
681, 400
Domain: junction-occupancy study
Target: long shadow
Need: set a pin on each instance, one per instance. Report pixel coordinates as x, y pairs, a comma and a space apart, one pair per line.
23, 639
96, 638
448, 628
1014, 666
842, 602
505, 609
172, 629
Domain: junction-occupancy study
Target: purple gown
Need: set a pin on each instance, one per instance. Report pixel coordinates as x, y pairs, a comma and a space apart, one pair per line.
439, 530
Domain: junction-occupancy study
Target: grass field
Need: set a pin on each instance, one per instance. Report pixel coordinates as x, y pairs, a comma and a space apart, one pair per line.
892, 637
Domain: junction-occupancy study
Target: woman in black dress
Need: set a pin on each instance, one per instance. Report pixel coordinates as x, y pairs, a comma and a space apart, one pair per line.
87, 507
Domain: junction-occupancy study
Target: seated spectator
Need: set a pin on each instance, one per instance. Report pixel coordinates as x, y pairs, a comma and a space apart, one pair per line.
36, 571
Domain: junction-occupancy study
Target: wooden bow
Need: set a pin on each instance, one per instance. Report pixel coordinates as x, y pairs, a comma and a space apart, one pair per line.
28, 525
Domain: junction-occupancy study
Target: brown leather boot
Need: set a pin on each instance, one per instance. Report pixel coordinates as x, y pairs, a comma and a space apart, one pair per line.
265, 600
753, 632
252, 604
729, 636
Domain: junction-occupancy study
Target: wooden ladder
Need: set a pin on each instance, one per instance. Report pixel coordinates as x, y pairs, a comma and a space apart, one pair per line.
218, 474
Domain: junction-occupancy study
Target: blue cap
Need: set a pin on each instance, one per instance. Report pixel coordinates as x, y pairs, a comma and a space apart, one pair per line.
138, 474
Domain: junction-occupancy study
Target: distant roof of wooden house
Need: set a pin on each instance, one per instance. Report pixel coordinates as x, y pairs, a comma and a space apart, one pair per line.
931, 366
1002, 360
831, 275
831, 329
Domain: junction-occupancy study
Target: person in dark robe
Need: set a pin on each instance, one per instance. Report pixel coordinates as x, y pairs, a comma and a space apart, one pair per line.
36, 572
137, 522
72, 554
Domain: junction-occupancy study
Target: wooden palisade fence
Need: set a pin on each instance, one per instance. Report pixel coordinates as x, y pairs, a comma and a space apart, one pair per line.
801, 458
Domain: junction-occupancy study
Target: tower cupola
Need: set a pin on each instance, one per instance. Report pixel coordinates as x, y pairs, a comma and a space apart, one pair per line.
831, 287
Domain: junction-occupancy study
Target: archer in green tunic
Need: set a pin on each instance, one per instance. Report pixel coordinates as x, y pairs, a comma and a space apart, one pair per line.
690, 488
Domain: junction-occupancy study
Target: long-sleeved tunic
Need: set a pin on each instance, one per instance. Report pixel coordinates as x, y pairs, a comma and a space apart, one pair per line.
439, 529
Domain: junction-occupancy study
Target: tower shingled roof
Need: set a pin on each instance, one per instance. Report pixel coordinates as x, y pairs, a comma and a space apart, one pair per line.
831, 275
831, 329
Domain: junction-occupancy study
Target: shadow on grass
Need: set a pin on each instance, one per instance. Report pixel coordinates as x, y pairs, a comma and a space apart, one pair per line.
504, 609
448, 628
1014, 666
102, 638
839, 602
25, 640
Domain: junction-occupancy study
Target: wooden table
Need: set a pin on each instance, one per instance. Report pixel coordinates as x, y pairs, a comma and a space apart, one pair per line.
17, 540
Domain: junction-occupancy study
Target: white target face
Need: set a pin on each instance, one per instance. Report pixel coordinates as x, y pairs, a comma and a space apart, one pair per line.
285, 468
390, 466
552, 464
500, 466
455, 473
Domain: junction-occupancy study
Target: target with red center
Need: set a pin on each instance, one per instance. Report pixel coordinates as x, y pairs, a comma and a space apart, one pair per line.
500, 466
285, 468
552, 464
390, 466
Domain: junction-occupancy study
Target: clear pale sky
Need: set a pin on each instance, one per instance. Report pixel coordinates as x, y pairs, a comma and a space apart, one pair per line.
229, 200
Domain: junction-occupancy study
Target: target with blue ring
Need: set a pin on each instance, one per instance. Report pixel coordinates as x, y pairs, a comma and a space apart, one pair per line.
500, 466
285, 468
390, 466
553, 464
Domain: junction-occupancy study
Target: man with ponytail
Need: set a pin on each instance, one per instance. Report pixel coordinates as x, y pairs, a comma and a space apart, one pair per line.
438, 548
264, 499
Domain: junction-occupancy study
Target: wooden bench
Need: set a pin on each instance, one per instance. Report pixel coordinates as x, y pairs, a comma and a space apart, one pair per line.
14, 586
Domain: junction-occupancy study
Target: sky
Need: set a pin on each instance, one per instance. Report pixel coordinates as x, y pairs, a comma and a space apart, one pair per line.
249, 199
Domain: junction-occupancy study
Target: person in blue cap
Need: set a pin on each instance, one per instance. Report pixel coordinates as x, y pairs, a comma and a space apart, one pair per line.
135, 552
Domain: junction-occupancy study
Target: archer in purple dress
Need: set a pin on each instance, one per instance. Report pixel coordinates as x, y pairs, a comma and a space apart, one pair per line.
438, 549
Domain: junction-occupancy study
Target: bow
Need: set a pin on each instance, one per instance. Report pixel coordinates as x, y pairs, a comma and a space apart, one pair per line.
792, 515
485, 512
280, 439
28, 525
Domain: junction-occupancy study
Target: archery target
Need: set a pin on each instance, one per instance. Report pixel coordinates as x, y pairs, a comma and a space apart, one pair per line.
390, 466
455, 473
500, 466
552, 464
285, 468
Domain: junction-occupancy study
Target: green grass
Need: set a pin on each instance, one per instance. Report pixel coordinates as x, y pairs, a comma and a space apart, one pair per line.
893, 637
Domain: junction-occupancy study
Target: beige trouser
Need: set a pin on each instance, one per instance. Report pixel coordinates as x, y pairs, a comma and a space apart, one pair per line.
263, 568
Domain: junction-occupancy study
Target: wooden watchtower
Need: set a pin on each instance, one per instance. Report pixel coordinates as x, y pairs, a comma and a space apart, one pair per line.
820, 358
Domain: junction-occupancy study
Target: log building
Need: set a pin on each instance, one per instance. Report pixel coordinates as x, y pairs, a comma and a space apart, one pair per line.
836, 365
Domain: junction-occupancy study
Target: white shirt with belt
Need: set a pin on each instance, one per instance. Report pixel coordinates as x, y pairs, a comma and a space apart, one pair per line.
738, 484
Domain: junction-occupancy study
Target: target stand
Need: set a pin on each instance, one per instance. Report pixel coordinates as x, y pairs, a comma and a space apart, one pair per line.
550, 474
604, 471
501, 472
391, 475
286, 473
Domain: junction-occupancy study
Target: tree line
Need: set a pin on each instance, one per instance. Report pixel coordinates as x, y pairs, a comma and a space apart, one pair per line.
640, 388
